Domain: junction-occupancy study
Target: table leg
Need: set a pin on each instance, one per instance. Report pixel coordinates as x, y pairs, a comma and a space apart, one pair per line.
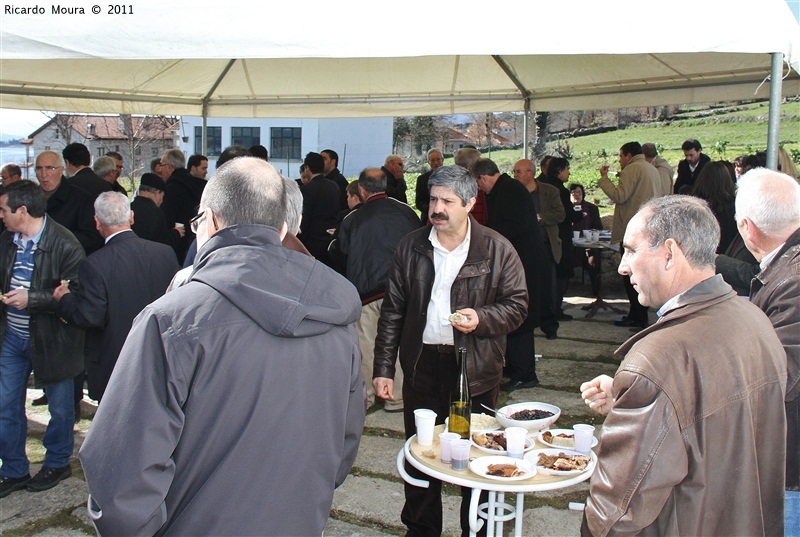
475, 523
520, 512
501, 496
490, 513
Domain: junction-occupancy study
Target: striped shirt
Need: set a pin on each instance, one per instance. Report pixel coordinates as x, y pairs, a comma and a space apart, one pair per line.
18, 321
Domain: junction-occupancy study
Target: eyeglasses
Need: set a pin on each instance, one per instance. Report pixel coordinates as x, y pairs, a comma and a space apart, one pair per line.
40, 169
194, 223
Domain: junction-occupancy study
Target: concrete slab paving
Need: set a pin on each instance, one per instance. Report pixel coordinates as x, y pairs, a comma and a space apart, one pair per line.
21, 507
550, 522
375, 455
568, 375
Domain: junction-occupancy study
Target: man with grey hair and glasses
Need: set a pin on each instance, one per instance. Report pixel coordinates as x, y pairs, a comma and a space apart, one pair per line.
170, 450
693, 441
453, 265
768, 217
117, 282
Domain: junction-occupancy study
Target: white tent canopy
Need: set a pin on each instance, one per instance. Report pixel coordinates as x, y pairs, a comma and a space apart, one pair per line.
358, 59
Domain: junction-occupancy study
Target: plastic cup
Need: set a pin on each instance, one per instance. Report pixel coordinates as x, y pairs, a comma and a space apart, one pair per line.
587, 234
444, 445
515, 441
595, 235
425, 420
576, 234
459, 453
583, 437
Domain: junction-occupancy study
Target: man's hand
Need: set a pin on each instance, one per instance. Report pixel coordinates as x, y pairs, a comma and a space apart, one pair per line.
181, 230
604, 172
384, 388
598, 394
469, 324
17, 298
61, 290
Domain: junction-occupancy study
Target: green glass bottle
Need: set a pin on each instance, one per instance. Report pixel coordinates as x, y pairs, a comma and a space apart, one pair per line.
460, 400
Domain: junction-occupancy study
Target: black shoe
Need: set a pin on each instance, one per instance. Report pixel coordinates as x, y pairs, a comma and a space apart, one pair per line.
513, 385
551, 336
10, 484
48, 478
40, 401
630, 323
563, 317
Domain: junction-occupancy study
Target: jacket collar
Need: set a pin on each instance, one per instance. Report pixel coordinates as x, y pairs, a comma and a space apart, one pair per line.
790, 248
706, 293
477, 245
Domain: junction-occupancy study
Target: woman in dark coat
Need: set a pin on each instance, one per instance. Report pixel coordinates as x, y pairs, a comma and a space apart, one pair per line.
716, 186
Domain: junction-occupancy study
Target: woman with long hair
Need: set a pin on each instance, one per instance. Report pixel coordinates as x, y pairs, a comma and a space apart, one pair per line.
716, 186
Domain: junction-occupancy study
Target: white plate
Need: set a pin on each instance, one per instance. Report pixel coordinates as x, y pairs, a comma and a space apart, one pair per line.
533, 458
494, 427
480, 465
529, 444
556, 432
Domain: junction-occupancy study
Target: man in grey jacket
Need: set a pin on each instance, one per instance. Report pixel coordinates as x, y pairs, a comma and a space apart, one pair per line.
237, 403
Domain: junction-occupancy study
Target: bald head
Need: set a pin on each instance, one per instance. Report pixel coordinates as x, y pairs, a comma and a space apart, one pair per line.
525, 173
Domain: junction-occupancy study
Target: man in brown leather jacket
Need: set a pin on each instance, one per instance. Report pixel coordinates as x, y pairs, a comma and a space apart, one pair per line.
694, 438
452, 265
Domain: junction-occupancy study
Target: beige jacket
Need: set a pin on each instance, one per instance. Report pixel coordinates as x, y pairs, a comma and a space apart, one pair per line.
637, 185
695, 441
666, 172
552, 213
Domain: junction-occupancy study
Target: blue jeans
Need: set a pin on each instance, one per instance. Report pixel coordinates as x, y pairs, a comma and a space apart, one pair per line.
792, 506
15, 367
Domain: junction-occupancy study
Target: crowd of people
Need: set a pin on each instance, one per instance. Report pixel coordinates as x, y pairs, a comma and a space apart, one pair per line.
284, 277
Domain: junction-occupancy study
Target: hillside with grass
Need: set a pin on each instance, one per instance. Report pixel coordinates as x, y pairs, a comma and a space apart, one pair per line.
725, 131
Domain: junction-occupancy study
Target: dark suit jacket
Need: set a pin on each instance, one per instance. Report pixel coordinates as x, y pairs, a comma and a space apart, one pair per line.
117, 282
150, 222
422, 196
687, 177
92, 183
341, 181
73, 208
181, 199
320, 208
395, 188
511, 213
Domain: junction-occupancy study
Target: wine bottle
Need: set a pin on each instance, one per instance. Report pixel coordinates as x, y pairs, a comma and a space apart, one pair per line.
460, 400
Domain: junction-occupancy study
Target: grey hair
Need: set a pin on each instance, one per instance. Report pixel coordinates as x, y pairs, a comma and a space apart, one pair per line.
434, 150
113, 209
466, 157
247, 190
58, 156
176, 157
294, 205
770, 199
103, 166
688, 221
456, 178
392, 158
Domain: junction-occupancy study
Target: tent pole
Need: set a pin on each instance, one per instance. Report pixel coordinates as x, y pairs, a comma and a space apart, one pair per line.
775, 87
527, 113
205, 127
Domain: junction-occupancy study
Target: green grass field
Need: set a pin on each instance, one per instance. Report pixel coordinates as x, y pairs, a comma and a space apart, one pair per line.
725, 132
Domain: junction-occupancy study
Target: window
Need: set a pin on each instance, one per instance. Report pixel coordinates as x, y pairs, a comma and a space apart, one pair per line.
214, 135
285, 143
245, 136
101, 151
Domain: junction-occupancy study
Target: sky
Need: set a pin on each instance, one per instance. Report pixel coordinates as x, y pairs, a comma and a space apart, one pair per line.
21, 123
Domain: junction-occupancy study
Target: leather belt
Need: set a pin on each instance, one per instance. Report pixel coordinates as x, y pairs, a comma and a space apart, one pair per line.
440, 349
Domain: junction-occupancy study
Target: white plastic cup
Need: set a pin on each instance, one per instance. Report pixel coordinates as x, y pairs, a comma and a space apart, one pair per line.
459, 453
576, 235
587, 234
425, 420
595, 235
444, 445
515, 441
583, 437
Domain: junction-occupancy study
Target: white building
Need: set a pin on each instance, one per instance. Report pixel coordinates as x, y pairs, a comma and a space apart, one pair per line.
360, 142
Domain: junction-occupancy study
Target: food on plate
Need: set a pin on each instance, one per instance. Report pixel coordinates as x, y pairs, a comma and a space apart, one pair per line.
490, 440
503, 470
530, 414
560, 439
429, 453
563, 462
457, 317
483, 422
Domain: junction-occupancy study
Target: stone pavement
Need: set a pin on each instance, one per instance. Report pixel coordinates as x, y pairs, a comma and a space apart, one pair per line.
368, 504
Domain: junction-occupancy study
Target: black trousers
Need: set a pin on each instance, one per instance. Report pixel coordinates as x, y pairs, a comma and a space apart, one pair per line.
637, 312
520, 359
430, 388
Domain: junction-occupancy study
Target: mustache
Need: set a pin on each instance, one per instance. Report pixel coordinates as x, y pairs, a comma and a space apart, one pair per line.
439, 216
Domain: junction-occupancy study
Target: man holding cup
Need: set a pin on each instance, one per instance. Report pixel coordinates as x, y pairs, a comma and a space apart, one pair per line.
694, 438
452, 265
